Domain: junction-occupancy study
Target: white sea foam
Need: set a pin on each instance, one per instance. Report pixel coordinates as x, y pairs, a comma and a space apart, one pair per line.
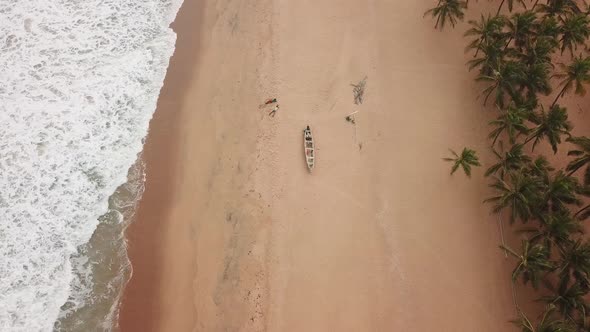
79, 84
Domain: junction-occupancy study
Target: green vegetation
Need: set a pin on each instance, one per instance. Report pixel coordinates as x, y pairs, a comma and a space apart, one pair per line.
447, 10
528, 56
466, 160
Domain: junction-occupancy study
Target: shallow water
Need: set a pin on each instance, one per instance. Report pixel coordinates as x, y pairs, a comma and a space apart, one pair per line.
101, 266
80, 84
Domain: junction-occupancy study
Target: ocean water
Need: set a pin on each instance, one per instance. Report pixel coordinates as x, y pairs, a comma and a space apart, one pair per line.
79, 83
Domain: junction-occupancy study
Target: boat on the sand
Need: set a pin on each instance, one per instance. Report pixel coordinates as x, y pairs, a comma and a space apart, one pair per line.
308, 147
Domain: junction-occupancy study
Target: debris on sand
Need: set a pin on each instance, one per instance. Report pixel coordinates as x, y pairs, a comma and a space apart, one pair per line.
359, 90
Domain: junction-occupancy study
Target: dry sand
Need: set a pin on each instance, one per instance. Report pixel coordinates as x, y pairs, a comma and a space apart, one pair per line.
233, 233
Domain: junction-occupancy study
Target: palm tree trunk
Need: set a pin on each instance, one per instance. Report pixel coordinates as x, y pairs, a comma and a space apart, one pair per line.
512, 252
501, 227
535, 5
582, 210
478, 47
530, 137
508, 43
499, 8
514, 298
560, 94
572, 172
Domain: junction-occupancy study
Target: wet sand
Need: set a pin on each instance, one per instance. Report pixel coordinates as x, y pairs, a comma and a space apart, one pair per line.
234, 234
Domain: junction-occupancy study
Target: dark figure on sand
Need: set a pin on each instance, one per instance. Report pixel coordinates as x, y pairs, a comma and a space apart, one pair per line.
268, 102
274, 111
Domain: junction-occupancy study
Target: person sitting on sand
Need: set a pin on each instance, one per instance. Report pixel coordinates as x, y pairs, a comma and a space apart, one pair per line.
274, 111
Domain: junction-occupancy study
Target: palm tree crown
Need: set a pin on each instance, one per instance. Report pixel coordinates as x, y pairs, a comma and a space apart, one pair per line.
560, 7
511, 160
521, 27
504, 80
547, 323
562, 190
532, 263
512, 121
574, 31
487, 30
447, 11
551, 125
582, 155
574, 76
556, 228
568, 298
575, 261
466, 160
520, 193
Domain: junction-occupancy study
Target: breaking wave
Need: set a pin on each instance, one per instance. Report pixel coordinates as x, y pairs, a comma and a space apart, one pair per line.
80, 82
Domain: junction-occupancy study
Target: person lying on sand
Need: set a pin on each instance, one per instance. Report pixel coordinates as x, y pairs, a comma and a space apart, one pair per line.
274, 111
268, 102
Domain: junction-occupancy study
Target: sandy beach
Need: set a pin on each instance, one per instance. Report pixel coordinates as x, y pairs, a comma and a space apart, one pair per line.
234, 234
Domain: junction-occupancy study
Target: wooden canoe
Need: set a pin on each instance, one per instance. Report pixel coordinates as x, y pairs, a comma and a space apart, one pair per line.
308, 148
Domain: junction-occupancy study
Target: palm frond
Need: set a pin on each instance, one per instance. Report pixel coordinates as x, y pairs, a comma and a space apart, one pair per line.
447, 11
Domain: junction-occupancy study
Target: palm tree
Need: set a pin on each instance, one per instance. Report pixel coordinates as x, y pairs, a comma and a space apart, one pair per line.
512, 160
532, 263
512, 121
522, 27
503, 81
574, 31
487, 30
510, 5
575, 74
582, 157
493, 54
538, 51
466, 160
568, 298
583, 213
548, 28
551, 125
447, 10
560, 7
528, 102
562, 190
540, 167
556, 228
537, 78
547, 323
520, 193
575, 260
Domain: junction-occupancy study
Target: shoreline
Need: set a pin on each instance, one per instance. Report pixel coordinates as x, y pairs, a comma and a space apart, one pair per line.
140, 305
193, 254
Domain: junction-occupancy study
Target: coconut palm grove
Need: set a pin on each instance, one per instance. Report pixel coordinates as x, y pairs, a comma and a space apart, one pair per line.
528, 56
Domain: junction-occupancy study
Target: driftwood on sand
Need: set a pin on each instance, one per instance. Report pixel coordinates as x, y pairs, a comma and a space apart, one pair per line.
359, 90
